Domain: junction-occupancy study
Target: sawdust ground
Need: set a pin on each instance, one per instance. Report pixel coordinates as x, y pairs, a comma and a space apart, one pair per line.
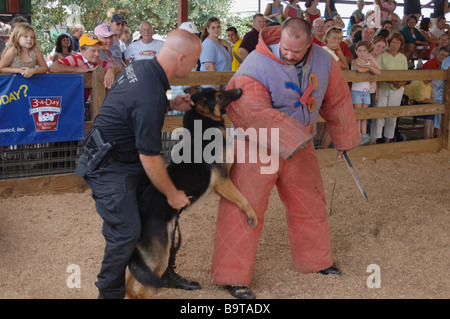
403, 228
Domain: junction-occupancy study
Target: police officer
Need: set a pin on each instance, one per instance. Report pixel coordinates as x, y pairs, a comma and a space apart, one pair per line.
121, 155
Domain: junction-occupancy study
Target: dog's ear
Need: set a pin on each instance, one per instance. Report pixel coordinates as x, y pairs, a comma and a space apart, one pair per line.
193, 90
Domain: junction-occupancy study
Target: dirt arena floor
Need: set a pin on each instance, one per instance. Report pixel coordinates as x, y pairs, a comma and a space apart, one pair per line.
402, 229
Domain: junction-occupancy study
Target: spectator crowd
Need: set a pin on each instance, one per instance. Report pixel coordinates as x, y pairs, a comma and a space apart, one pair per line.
399, 43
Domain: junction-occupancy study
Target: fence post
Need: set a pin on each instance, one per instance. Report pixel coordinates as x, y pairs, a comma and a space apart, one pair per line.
446, 116
98, 92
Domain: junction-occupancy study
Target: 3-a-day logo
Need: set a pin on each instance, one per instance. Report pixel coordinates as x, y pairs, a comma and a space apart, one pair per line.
45, 112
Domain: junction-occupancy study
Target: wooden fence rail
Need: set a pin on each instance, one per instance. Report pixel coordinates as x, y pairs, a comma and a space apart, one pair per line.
370, 152
219, 78
327, 157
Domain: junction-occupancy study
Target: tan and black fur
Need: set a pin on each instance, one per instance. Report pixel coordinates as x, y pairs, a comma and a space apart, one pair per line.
158, 219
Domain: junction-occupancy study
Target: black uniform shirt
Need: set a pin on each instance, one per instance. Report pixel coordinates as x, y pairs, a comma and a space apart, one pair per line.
132, 114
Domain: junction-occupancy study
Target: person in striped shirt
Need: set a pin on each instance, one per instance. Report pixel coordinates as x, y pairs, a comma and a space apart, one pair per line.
84, 61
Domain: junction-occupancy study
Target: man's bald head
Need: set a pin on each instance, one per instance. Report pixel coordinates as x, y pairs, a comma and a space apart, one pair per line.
180, 53
294, 27
180, 41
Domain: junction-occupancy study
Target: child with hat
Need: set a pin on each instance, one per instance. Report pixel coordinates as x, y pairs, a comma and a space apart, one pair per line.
84, 61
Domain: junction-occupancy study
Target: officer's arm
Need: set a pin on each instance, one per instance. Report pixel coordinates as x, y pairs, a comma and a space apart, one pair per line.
157, 173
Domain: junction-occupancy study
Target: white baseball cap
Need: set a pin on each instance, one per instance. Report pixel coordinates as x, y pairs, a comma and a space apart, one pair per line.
136, 35
189, 26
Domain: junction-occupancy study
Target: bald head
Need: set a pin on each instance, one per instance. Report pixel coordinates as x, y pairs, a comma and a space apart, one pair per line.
181, 40
181, 47
297, 27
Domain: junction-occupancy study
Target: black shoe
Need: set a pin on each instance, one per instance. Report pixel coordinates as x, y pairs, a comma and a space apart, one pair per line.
241, 292
172, 280
331, 270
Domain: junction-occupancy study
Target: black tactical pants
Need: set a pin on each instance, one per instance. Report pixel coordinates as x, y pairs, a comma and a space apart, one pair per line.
116, 189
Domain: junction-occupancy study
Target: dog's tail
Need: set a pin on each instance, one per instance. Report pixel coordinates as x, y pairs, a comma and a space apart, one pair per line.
142, 272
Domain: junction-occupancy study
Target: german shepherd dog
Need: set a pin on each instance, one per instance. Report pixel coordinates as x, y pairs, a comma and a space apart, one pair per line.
159, 220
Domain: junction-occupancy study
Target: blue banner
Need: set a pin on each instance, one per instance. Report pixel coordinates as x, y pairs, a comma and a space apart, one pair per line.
41, 109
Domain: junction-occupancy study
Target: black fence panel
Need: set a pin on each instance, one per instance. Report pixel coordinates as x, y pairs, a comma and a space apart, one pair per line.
51, 158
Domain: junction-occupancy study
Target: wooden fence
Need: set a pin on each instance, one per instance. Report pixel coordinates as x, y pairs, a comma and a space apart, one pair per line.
63, 183
369, 152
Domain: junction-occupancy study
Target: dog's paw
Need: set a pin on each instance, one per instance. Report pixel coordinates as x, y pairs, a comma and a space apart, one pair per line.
250, 213
253, 221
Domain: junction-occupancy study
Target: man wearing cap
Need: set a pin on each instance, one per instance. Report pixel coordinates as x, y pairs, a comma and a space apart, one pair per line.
189, 27
117, 26
146, 47
106, 60
131, 118
82, 62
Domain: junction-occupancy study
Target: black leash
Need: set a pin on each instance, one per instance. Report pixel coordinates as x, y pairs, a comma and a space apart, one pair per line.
177, 228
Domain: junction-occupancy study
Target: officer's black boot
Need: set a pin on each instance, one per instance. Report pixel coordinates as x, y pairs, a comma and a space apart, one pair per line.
172, 280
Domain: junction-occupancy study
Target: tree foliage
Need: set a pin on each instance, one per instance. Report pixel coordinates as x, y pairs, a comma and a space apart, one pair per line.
53, 17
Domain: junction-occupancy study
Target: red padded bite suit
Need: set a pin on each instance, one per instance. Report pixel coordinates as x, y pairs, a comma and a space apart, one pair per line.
298, 177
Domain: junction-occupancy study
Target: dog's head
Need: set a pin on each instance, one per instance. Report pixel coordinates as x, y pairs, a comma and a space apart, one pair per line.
210, 102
